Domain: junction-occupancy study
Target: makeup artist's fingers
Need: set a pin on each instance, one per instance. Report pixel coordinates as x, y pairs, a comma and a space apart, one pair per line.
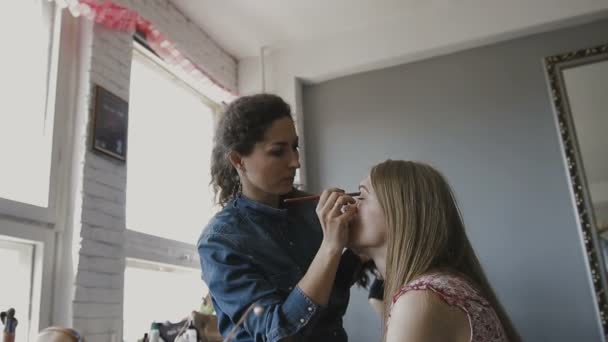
325, 194
335, 225
329, 204
341, 202
325, 199
322, 200
349, 213
333, 208
321, 204
324, 213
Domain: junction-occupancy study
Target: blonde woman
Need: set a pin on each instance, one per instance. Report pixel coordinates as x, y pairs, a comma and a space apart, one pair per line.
408, 222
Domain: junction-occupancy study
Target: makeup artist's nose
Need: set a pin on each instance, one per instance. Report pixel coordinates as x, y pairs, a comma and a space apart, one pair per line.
294, 161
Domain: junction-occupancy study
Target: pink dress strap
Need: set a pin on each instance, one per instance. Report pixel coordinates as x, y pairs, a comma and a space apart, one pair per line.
456, 291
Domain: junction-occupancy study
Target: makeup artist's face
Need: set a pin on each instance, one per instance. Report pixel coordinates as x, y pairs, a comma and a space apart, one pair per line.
368, 228
271, 167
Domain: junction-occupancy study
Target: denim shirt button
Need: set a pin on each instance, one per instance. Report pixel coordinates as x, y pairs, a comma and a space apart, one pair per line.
302, 320
310, 308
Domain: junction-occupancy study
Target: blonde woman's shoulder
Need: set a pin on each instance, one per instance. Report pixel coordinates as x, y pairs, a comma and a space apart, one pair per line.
421, 315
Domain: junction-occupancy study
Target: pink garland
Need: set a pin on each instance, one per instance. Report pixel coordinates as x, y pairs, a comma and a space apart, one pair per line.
106, 13
120, 18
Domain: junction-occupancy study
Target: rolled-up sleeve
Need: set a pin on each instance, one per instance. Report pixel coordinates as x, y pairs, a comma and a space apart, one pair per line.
235, 284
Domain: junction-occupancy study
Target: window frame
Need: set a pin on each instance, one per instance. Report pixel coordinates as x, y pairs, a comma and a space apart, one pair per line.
44, 227
43, 241
56, 112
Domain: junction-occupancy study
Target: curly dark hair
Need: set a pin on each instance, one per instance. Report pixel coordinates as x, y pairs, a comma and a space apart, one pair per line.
242, 124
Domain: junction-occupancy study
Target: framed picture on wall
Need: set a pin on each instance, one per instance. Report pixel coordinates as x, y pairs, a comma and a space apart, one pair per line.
110, 124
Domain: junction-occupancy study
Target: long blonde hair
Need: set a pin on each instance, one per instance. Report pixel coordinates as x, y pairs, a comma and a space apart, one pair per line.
425, 231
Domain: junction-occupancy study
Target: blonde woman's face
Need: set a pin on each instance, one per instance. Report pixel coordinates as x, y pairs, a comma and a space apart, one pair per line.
368, 228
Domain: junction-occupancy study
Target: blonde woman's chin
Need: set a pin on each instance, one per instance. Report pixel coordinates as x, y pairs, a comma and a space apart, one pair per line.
361, 254
354, 233
355, 245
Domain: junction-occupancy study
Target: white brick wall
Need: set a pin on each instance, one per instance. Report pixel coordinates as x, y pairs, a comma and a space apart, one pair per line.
98, 296
97, 304
189, 39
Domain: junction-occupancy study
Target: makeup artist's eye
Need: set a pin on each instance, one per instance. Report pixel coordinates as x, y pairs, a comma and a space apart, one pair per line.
277, 152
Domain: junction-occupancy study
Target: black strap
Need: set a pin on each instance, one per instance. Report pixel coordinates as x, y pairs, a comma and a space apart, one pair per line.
376, 290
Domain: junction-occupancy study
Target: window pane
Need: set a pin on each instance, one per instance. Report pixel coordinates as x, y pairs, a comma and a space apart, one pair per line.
25, 129
179, 292
170, 137
17, 263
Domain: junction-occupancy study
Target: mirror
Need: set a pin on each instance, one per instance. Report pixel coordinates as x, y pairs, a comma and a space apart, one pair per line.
587, 90
579, 89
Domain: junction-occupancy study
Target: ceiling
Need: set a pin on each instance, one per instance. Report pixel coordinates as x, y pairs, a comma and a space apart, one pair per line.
243, 27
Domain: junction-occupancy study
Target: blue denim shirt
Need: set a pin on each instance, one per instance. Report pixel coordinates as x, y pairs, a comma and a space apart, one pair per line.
253, 253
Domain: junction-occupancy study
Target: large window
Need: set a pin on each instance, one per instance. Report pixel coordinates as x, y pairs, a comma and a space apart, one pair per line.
170, 137
169, 200
179, 292
26, 118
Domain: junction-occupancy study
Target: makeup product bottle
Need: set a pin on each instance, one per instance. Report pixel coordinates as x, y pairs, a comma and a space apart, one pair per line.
154, 335
10, 325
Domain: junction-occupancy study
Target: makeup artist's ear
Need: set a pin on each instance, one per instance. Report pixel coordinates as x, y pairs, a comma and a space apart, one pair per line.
237, 161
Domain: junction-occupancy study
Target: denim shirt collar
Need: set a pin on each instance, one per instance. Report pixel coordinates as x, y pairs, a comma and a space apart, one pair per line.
257, 208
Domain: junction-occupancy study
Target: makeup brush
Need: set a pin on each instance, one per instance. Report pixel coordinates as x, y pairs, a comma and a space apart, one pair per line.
314, 197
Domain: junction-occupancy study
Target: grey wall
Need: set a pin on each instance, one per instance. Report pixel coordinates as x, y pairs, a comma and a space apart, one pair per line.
484, 118
601, 213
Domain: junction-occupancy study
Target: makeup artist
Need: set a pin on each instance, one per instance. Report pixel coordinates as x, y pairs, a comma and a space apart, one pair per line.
258, 250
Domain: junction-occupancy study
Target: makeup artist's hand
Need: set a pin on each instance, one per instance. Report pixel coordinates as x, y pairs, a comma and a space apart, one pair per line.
334, 220
319, 279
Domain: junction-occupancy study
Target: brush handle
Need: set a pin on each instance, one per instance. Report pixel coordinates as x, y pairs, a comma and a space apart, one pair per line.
314, 197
